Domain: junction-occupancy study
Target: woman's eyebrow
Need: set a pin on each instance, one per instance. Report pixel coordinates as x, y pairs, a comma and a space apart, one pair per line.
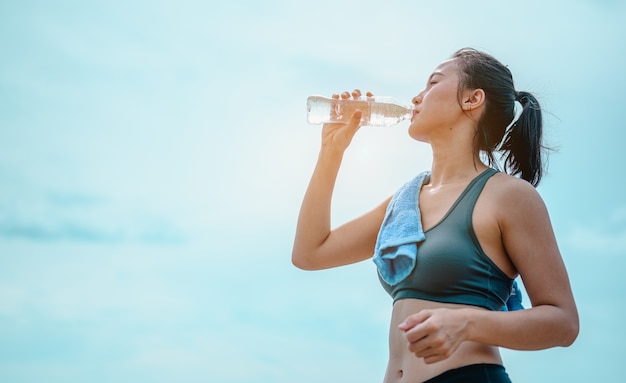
434, 74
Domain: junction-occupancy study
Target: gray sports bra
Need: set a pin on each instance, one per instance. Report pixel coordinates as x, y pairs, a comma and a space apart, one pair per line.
451, 266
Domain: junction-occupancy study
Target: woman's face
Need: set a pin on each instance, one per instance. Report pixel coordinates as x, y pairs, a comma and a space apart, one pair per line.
437, 107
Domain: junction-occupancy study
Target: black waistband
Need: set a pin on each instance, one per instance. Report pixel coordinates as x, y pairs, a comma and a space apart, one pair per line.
474, 373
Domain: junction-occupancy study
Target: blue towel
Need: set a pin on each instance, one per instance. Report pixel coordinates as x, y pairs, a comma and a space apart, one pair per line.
395, 253
514, 302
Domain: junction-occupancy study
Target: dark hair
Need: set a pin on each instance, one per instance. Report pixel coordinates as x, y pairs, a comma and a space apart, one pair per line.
521, 144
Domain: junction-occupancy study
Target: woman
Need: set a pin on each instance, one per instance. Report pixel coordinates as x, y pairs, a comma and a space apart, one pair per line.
482, 228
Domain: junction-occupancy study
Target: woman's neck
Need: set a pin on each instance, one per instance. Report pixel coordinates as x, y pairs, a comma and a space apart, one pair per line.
454, 162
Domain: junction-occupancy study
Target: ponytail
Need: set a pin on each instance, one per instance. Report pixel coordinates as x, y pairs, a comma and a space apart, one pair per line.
518, 143
522, 143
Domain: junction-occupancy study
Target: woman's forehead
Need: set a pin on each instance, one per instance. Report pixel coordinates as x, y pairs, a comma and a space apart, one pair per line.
446, 66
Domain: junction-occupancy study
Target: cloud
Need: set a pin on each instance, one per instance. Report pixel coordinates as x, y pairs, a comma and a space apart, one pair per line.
63, 216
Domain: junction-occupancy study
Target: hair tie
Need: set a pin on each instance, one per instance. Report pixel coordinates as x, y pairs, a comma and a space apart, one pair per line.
517, 109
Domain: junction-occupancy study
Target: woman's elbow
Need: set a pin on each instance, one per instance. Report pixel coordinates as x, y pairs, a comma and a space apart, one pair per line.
571, 332
297, 262
570, 327
300, 261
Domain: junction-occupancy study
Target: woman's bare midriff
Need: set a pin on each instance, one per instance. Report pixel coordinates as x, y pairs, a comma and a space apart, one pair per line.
405, 367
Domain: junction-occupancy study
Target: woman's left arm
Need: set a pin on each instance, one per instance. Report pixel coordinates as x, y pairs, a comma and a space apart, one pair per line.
529, 240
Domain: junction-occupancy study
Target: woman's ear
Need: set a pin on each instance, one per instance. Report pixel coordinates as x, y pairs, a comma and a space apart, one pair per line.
473, 99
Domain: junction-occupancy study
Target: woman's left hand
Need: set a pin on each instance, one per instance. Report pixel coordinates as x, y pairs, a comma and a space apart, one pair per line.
434, 334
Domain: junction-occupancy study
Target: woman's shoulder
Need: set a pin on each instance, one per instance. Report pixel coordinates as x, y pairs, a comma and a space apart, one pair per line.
511, 192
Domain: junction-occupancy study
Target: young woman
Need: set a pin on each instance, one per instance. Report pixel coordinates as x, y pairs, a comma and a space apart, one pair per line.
481, 229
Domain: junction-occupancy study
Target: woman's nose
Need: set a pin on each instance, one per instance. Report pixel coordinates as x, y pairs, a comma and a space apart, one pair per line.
417, 100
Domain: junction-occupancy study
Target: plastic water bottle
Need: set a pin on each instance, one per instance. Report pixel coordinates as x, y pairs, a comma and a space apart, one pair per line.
376, 111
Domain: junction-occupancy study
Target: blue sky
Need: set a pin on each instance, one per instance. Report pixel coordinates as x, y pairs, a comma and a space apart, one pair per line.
153, 155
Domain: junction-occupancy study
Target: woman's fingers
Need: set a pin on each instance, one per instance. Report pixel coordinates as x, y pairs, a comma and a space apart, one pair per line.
354, 94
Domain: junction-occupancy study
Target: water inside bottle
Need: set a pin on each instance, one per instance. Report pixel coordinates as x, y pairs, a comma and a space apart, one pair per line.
375, 111
385, 114
322, 110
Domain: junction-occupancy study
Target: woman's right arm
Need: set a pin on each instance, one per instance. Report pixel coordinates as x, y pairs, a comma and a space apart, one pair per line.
316, 246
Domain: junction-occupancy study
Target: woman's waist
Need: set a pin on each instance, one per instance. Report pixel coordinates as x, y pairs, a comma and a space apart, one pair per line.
404, 366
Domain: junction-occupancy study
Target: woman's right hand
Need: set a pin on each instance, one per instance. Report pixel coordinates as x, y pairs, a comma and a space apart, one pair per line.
338, 135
